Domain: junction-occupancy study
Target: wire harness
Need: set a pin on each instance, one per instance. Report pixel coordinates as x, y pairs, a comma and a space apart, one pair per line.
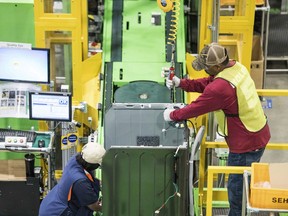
176, 193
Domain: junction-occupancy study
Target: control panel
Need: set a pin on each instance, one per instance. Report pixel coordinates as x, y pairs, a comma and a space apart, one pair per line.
17, 141
29, 140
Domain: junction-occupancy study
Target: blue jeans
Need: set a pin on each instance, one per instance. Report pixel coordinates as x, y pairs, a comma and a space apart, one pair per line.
235, 181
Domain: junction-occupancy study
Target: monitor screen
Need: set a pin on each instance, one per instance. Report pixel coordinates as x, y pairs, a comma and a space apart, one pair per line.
25, 65
50, 106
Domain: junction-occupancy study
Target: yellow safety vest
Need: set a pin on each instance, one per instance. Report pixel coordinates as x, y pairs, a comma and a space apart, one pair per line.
250, 110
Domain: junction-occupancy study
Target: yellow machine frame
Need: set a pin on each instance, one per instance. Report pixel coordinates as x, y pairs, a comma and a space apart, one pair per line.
85, 71
235, 30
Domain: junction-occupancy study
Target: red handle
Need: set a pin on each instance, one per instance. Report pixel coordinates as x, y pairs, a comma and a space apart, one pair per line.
171, 74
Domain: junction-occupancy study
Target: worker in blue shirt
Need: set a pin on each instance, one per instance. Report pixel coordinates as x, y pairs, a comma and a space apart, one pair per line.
77, 193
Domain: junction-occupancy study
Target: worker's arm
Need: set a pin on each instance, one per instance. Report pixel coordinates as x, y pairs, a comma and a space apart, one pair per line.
97, 206
87, 195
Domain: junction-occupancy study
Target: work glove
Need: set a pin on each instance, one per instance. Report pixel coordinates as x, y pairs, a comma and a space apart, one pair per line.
175, 82
166, 114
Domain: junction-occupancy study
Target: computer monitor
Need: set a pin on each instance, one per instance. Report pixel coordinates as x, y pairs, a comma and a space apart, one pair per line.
25, 65
50, 106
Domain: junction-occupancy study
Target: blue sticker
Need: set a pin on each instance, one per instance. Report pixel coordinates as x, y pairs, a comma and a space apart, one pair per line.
72, 138
267, 104
64, 141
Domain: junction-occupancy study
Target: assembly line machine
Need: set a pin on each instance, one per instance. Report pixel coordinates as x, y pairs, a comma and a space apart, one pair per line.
145, 169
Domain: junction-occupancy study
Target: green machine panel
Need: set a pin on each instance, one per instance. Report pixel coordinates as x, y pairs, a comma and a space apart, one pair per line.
145, 181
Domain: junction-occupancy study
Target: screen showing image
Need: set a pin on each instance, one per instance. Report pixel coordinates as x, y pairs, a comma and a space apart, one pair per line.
51, 106
25, 65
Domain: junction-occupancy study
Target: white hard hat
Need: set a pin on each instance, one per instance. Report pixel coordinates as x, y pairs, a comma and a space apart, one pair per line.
93, 153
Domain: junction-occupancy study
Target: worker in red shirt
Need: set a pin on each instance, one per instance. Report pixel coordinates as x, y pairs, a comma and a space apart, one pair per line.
230, 93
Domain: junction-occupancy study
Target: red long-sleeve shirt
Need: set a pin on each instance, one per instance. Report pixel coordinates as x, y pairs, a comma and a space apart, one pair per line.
219, 94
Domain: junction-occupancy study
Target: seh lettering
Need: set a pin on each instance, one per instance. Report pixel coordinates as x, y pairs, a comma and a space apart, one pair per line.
279, 200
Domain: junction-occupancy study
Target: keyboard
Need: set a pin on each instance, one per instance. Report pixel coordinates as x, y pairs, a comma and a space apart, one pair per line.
14, 136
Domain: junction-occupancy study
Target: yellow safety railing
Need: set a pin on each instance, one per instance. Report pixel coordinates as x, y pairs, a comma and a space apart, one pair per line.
212, 170
232, 2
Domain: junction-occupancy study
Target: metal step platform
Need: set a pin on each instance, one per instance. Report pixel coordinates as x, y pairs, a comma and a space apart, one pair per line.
277, 38
277, 53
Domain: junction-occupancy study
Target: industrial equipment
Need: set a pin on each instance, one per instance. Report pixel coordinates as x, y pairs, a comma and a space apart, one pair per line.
25, 191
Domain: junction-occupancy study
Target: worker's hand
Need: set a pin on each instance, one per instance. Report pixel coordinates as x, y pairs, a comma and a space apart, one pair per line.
166, 114
171, 83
